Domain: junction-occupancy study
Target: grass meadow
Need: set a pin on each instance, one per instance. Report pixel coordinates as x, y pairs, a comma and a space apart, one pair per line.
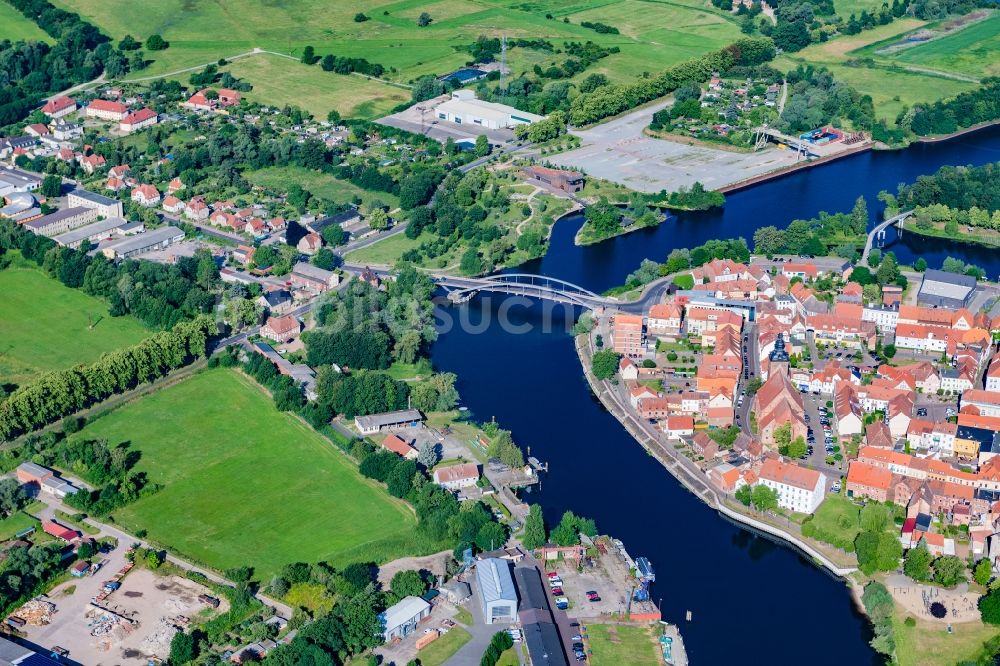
320, 184
14, 26
613, 644
244, 484
278, 81
655, 33
46, 326
973, 50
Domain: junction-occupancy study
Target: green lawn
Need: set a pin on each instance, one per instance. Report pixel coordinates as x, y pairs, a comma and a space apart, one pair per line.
45, 326
616, 644
14, 26
14, 523
973, 50
443, 648
930, 644
320, 184
388, 250
278, 81
836, 521
246, 484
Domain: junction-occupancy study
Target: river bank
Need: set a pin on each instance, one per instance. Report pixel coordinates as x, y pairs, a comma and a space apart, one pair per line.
682, 469
991, 238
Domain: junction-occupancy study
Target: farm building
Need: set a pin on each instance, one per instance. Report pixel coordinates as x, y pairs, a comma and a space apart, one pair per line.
401, 619
496, 590
373, 423
464, 108
59, 531
397, 445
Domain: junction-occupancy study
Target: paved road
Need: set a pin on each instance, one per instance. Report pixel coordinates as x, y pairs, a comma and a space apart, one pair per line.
880, 227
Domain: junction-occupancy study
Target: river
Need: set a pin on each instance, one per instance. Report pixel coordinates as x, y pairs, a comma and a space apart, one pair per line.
752, 601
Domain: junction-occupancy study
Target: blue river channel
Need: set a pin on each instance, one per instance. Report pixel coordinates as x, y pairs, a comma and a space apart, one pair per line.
752, 601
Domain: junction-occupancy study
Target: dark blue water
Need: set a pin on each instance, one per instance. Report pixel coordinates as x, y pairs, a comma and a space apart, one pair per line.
753, 602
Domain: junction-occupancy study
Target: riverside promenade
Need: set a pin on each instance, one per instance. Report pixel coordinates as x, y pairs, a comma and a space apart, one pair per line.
686, 471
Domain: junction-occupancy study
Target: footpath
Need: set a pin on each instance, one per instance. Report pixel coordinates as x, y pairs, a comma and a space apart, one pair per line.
685, 470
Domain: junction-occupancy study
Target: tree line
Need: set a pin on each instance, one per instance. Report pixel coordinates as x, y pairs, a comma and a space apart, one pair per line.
63, 392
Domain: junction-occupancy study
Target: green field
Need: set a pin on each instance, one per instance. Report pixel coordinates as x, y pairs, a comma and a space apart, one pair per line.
246, 484
278, 81
387, 251
973, 50
614, 644
443, 648
930, 644
45, 326
655, 33
14, 26
320, 184
16, 522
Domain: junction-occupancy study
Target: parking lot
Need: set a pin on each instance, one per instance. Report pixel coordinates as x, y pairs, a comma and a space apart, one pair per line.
134, 625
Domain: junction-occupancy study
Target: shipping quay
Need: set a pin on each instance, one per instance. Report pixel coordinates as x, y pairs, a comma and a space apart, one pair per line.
599, 594
687, 473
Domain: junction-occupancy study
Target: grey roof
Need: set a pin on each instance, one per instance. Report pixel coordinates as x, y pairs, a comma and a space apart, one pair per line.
402, 612
529, 584
80, 233
305, 269
457, 588
388, 418
544, 646
145, 240
12, 653
277, 297
494, 581
344, 216
57, 216
947, 285
93, 197
34, 470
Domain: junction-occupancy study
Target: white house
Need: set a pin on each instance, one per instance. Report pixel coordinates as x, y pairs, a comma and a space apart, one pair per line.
799, 489
456, 477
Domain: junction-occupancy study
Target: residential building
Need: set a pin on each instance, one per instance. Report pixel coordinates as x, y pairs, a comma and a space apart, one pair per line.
400, 447
498, 597
677, 427
92, 163
105, 206
847, 410
799, 489
309, 244
281, 329
627, 335
60, 106
61, 221
864, 480
456, 477
138, 120
196, 210
173, 205
146, 196
106, 110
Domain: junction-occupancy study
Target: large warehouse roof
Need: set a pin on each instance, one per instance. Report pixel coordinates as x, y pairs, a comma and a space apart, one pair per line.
495, 583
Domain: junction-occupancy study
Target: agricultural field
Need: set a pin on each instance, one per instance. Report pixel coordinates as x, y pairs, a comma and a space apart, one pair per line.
319, 184
972, 50
891, 88
45, 326
278, 81
14, 26
244, 484
203, 32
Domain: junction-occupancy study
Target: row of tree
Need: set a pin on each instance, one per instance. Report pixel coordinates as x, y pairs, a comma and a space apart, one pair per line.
63, 392
613, 99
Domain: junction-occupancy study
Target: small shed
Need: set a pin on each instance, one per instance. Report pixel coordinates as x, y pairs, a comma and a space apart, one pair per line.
456, 591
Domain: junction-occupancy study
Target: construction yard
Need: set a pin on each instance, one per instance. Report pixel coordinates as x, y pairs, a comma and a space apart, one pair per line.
132, 625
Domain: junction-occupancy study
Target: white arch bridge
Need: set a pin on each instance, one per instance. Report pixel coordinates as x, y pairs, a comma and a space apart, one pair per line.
461, 289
